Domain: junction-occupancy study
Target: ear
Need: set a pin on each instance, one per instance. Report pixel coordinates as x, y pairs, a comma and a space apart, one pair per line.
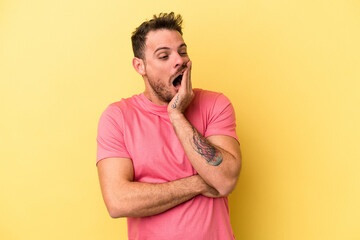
139, 65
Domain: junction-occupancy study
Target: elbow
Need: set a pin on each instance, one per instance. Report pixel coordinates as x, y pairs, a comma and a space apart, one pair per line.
230, 179
227, 187
119, 206
116, 211
223, 192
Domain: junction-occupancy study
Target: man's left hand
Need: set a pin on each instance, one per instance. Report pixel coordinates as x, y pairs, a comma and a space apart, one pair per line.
184, 96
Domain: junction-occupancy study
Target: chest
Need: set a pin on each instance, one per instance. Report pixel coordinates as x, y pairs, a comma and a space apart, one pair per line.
155, 150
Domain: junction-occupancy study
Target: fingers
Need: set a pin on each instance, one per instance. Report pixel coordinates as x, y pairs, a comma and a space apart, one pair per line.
185, 94
186, 81
189, 84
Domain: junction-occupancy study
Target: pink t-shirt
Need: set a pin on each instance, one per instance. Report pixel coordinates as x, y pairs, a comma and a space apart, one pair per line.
137, 129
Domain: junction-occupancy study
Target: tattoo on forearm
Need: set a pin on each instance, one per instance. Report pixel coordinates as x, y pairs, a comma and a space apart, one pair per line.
175, 102
208, 152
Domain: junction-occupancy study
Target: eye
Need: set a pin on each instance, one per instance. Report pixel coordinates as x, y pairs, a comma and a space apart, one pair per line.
163, 57
183, 53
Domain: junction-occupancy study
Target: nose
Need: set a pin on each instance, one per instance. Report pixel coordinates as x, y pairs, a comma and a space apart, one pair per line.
179, 60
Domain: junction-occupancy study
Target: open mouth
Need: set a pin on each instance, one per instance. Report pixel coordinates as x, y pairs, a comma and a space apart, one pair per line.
177, 80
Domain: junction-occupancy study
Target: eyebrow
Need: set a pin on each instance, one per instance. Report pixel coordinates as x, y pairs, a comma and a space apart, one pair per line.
182, 45
167, 48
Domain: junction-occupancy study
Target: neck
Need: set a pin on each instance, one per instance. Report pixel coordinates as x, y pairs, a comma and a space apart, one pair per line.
152, 96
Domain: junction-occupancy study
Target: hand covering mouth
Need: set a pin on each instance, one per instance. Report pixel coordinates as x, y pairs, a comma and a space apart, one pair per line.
177, 80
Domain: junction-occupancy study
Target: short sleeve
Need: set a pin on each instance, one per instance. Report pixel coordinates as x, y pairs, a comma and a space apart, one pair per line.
222, 119
110, 138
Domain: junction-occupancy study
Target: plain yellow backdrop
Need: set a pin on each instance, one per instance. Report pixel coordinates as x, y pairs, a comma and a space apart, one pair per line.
291, 69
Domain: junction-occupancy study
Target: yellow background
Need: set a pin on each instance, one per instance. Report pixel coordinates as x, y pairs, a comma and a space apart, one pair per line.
291, 69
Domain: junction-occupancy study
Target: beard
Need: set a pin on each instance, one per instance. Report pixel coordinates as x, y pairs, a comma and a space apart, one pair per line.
161, 90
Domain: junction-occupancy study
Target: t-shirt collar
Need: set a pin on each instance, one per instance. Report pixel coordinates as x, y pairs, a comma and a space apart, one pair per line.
160, 110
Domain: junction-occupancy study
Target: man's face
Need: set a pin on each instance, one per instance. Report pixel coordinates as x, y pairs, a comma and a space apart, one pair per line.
165, 61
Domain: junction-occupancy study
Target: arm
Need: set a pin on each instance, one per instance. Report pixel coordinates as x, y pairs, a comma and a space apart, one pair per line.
217, 159
125, 198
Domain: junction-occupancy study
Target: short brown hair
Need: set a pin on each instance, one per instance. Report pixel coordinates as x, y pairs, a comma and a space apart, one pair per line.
162, 21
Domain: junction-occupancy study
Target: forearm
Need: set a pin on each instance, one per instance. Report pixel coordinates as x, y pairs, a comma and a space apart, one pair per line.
137, 199
217, 167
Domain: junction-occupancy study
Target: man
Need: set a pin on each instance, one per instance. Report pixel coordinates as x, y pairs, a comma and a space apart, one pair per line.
168, 157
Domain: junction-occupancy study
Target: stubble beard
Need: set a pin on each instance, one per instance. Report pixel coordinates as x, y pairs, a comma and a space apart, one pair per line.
161, 90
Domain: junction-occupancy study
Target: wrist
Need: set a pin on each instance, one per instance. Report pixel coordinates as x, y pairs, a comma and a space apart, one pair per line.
175, 115
200, 185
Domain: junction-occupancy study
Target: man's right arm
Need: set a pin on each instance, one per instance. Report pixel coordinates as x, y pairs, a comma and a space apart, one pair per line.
125, 198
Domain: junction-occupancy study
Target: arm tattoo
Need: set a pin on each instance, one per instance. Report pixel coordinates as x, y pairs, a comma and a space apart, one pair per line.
208, 152
175, 102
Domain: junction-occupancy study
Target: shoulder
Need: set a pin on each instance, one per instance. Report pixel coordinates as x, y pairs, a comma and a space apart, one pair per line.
206, 97
115, 111
125, 102
205, 93
124, 105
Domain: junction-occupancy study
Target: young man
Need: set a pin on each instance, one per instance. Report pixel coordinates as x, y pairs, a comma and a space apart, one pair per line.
167, 158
